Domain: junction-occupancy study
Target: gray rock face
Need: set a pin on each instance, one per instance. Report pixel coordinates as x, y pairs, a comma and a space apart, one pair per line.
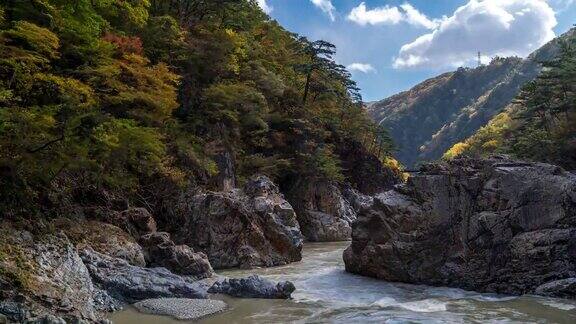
253, 287
58, 283
65, 278
245, 228
181, 308
161, 251
493, 225
129, 283
323, 212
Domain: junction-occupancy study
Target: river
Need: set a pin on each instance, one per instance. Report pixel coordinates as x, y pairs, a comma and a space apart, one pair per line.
327, 294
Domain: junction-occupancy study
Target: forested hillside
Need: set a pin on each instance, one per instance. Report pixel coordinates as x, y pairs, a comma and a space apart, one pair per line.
540, 124
427, 120
138, 100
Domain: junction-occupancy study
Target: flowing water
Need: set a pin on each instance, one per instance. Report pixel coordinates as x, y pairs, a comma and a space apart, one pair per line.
327, 294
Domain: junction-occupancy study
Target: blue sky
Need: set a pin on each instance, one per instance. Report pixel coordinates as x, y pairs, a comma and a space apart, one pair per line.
391, 45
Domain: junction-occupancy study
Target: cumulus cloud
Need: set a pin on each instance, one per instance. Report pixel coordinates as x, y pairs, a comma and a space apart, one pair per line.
493, 27
265, 6
361, 67
416, 18
390, 15
326, 6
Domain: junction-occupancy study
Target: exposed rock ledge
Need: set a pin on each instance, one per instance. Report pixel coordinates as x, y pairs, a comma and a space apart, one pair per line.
494, 225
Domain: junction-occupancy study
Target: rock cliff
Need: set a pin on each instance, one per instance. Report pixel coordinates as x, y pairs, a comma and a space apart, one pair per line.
494, 225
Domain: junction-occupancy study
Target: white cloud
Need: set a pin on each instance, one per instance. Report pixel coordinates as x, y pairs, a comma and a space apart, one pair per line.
361, 67
493, 27
388, 15
265, 6
327, 7
382, 15
416, 18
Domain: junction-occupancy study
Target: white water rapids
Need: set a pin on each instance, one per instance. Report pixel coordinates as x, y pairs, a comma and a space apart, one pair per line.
327, 294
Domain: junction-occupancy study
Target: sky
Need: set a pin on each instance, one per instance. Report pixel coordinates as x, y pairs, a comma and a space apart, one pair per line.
392, 45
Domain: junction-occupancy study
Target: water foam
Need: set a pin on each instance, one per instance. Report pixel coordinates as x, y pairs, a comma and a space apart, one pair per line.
555, 304
425, 306
385, 302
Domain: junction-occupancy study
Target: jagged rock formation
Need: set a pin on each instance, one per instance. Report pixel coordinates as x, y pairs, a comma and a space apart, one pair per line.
160, 251
428, 119
249, 227
493, 225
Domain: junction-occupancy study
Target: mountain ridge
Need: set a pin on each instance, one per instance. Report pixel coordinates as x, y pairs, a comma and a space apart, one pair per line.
426, 120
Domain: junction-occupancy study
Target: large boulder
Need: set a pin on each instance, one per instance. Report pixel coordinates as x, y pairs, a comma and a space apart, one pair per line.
253, 287
244, 228
128, 283
323, 213
161, 251
494, 225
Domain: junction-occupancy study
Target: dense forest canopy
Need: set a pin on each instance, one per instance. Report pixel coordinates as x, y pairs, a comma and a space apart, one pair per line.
540, 124
142, 98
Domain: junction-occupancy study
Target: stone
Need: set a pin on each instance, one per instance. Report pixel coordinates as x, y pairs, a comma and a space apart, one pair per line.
11, 311
323, 213
565, 288
129, 283
244, 228
46, 319
492, 225
137, 222
180, 259
181, 308
104, 238
253, 287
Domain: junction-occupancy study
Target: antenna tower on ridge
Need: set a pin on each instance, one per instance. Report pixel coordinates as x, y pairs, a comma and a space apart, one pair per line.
479, 59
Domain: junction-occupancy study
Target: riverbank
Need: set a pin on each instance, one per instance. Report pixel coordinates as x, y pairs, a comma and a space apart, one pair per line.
326, 293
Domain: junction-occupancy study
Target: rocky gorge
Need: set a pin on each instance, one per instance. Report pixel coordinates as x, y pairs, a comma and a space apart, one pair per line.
82, 270
494, 225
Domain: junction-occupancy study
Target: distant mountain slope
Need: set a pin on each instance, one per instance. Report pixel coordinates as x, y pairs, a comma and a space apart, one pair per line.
428, 119
540, 123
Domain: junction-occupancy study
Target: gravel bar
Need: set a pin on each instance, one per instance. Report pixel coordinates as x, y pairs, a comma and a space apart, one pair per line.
181, 308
